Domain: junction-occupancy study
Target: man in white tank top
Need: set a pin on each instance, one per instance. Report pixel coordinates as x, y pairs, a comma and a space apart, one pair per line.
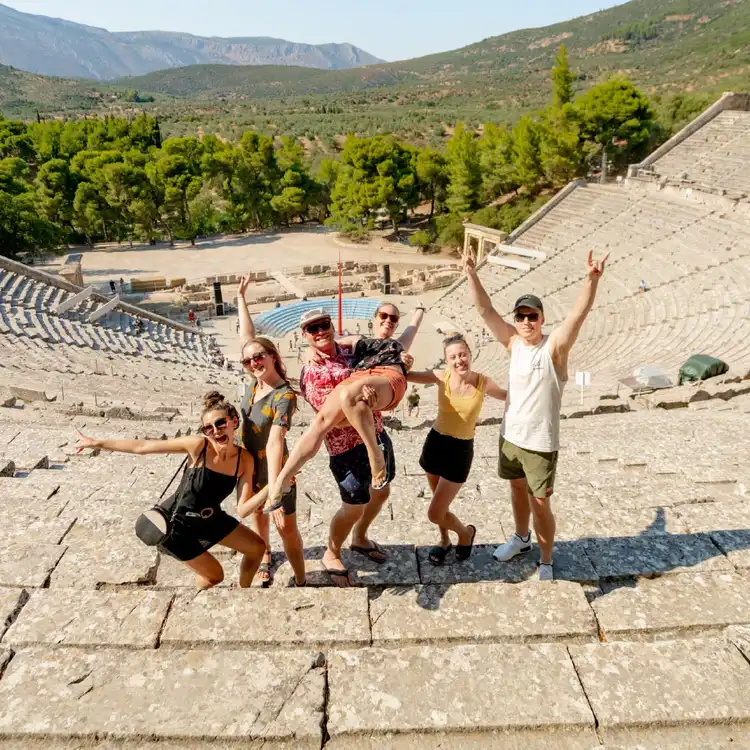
530, 434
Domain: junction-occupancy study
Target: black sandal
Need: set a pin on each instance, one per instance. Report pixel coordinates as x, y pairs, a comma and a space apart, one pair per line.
438, 554
463, 551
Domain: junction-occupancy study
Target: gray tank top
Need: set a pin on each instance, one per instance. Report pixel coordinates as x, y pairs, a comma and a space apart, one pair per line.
532, 409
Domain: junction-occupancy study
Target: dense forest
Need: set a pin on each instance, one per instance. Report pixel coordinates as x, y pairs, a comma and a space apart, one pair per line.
115, 179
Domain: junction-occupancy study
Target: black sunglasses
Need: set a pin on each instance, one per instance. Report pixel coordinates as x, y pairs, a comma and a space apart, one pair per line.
386, 316
259, 357
531, 317
219, 424
324, 325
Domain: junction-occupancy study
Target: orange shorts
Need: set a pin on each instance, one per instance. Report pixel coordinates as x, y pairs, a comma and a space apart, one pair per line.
396, 379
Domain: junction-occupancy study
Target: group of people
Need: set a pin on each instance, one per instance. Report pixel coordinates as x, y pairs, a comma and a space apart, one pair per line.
349, 382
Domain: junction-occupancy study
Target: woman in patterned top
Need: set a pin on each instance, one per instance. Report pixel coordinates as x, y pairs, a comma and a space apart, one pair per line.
267, 410
377, 383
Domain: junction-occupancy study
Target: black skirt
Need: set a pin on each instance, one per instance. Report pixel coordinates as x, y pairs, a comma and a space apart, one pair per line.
447, 457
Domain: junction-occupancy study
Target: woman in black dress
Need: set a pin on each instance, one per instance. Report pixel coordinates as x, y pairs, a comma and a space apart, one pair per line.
215, 467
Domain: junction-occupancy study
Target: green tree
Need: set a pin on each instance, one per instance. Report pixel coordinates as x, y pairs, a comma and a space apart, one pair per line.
56, 189
527, 158
617, 118
462, 154
22, 229
562, 79
432, 174
560, 152
496, 162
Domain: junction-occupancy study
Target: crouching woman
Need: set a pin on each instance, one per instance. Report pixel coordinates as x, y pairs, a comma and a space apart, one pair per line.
215, 466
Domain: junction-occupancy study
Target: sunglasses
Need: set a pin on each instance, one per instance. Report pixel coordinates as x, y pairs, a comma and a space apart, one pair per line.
531, 317
324, 325
255, 359
219, 424
386, 316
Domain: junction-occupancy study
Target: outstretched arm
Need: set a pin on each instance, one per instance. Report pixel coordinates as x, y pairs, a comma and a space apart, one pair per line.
493, 390
406, 339
424, 377
192, 444
248, 503
247, 327
562, 339
502, 331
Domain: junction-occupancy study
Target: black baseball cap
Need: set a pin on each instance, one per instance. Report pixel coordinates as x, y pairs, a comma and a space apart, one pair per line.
529, 300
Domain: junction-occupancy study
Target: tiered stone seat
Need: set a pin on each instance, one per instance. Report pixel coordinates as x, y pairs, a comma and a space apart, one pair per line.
694, 257
284, 319
651, 563
716, 157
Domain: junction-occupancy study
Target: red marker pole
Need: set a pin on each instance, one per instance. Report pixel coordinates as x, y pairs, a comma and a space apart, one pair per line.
341, 302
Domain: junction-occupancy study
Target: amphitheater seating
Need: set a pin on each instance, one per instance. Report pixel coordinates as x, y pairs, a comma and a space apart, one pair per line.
715, 158
694, 257
284, 319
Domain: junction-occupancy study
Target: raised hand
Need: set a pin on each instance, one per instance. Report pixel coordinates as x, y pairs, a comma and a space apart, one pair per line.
244, 283
470, 263
84, 442
596, 267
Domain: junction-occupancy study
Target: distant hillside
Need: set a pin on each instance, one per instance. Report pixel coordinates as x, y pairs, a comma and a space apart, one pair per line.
52, 46
663, 46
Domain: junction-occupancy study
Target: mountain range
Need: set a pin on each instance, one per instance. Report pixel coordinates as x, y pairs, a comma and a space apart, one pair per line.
55, 47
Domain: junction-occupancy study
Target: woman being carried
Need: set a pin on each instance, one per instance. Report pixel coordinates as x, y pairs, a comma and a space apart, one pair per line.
215, 467
449, 449
377, 383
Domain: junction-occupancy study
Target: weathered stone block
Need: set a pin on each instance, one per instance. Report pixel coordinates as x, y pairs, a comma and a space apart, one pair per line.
104, 555
132, 695
279, 618
28, 564
377, 691
482, 612
11, 601
59, 617
647, 555
645, 685
30, 530
673, 606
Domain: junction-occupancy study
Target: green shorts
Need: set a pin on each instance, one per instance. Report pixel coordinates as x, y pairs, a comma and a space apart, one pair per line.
536, 467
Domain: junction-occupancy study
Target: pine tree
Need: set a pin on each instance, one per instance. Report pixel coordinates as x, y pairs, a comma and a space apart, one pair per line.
462, 152
562, 79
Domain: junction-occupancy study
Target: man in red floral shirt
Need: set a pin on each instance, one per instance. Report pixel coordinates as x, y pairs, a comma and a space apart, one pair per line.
349, 462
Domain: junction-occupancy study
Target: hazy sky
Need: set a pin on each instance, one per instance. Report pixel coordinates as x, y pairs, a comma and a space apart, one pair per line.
391, 29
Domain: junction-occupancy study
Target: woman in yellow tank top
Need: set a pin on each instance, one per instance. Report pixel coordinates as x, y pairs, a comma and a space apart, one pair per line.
449, 448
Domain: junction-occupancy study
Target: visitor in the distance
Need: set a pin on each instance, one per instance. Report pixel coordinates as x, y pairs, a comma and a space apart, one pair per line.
448, 451
348, 461
267, 409
412, 401
377, 383
215, 466
530, 433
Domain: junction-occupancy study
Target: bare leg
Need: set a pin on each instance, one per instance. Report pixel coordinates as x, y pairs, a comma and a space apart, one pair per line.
207, 569
252, 547
304, 449
260, 525
371, 511
341, 524
544, 526
519, 493
292, 541
330, 415
439, 514
445, 540
359, 416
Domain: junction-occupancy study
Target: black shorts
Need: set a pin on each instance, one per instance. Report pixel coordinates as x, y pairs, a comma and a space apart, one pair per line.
352, 471
447, 457
192, 536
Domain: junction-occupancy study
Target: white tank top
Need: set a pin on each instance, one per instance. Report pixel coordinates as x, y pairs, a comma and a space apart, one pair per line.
532, 409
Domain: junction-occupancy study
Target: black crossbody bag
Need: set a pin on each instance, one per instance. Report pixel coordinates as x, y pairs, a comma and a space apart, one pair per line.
155, 525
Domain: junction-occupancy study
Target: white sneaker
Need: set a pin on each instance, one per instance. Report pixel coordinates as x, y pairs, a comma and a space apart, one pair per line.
546, 572
514, 546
